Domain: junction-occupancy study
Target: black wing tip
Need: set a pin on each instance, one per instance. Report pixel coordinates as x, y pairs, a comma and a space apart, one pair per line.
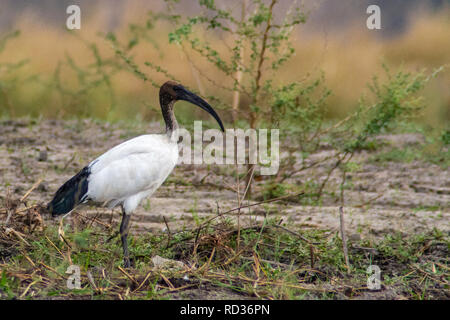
56, 210
70, 194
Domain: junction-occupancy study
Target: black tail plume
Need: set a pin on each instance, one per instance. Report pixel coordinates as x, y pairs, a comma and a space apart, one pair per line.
70, 194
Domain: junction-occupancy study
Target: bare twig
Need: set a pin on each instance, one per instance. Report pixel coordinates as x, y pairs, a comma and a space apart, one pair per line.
31, 189
275, 263
10, 208
54, 246
17, 234
28, 287
93, 219
53, 270
294, 233
91, 280
20, 211
239, 211
169, 235
344, 239
127, 275
69, 162
239, 73
251, 205
311, 255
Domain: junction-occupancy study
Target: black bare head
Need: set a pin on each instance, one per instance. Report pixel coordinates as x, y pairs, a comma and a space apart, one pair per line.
170, 92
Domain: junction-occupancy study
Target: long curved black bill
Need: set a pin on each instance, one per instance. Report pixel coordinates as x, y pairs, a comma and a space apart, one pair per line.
188, 96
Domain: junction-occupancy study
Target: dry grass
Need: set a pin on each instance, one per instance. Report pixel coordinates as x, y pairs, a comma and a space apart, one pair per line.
272, 262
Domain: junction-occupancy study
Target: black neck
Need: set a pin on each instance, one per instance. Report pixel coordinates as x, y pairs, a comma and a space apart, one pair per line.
166, 101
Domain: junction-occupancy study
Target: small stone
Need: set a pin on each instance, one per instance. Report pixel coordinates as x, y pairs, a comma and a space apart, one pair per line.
42, 156
355, 237
167, 264
42, 187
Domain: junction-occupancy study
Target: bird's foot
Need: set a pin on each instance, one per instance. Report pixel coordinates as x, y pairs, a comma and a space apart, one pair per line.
126, 262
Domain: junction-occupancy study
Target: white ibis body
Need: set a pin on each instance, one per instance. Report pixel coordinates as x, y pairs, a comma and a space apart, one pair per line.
132, 170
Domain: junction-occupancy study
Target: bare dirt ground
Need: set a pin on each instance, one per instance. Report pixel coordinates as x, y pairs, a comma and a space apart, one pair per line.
384, 197
406, 197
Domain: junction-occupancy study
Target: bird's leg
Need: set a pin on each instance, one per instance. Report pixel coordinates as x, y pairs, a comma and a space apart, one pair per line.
124, 226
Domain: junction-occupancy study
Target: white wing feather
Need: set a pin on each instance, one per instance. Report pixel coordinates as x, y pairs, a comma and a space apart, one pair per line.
132, 170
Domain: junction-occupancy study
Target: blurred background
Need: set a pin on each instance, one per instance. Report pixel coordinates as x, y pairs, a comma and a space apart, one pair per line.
43, 66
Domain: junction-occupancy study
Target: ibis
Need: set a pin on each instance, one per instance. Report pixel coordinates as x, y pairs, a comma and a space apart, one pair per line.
131, 171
